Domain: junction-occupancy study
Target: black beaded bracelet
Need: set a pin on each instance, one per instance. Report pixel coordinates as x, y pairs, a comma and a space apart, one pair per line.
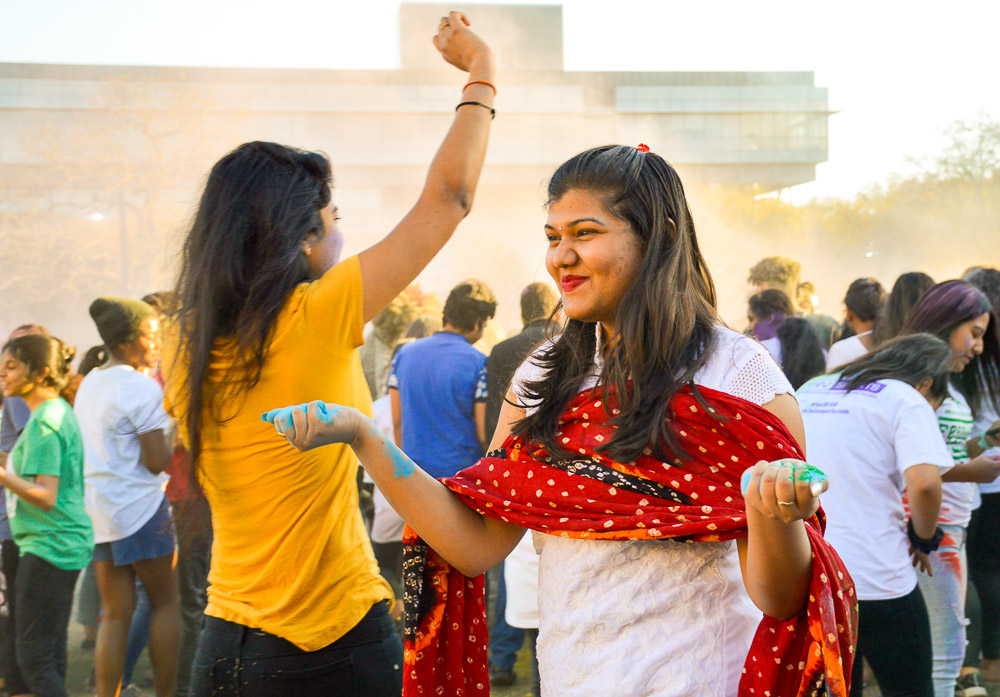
919, 543
493, 112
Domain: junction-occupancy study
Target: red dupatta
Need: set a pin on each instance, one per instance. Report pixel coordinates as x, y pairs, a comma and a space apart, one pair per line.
593, 497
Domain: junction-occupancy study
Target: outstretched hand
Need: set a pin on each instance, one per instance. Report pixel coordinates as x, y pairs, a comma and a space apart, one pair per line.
785, 490
308, 426
458, 44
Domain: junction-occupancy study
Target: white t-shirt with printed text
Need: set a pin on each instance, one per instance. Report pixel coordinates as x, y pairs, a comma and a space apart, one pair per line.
865, 440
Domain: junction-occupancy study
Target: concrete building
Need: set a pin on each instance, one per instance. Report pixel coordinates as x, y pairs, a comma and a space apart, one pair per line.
124, 149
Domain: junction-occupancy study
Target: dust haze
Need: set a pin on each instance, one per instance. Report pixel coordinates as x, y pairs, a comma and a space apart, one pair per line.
101, 168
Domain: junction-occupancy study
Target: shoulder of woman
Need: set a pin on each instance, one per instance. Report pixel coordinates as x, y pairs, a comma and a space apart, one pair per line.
732, 346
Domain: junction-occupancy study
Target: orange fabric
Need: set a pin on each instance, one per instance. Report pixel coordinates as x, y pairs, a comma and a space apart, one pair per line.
291, 555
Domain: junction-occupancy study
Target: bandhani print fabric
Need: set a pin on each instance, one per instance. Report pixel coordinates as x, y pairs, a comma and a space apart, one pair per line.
593, 497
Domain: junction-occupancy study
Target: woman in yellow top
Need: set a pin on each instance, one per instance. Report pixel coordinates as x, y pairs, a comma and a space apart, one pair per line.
296, 604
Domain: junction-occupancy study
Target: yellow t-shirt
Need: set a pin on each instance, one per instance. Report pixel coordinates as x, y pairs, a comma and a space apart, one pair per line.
291, 555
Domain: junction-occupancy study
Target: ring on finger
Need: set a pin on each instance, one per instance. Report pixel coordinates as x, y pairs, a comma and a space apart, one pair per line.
786, 503
444, 25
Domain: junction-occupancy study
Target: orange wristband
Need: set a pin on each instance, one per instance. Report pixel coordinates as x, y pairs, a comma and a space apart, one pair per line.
481, 82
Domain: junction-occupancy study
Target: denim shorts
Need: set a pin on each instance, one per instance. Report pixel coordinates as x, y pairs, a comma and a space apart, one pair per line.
153, 540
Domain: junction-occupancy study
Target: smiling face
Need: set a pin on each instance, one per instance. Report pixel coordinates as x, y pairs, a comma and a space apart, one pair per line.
15, 377
593, 257
966, 341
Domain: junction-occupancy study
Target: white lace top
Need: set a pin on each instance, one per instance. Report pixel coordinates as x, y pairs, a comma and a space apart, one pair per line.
647, 618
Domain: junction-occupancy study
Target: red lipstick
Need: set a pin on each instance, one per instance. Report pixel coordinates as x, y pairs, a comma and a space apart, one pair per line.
571, 282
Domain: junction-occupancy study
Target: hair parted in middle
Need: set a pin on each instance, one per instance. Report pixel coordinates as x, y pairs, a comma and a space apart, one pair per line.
664, 324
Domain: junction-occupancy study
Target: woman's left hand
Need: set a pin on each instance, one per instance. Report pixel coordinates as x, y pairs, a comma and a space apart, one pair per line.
785, 490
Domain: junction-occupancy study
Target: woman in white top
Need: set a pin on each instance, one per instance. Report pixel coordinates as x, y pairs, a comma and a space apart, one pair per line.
124, 429
865, 298
872, 427
962, 316
626, 612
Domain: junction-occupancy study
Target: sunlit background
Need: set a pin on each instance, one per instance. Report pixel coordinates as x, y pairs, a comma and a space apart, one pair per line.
862, 139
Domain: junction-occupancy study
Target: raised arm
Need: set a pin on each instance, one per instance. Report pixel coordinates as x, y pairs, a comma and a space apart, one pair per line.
468, 541
389, 266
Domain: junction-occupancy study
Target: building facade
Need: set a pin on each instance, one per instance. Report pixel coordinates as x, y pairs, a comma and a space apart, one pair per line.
122, 150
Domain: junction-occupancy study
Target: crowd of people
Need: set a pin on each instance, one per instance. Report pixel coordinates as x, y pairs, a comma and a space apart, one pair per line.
712, 511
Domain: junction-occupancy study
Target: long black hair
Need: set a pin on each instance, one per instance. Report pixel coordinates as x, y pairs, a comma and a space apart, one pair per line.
910, 359
940, 311
664, 324
801, 353
241, 259
906, 291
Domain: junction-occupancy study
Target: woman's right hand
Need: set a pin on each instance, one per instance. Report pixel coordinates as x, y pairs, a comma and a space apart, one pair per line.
921, 561
308, 426
986, 468
461, 46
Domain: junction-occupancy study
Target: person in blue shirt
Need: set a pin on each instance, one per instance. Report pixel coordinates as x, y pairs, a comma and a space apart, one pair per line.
437, 386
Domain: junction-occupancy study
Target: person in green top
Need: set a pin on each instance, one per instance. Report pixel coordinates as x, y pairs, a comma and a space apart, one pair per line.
43, 482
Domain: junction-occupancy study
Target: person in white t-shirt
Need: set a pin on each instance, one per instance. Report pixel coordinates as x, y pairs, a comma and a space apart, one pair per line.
124, 428
962, 316
865, 298
872, 429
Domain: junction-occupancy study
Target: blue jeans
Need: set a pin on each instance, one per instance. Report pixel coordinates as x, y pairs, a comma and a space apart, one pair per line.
944, 595
504, 639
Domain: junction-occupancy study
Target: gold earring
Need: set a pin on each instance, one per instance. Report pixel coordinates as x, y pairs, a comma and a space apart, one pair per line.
308, 250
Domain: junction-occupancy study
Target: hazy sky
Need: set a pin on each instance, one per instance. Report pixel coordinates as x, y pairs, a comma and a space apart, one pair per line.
897, 72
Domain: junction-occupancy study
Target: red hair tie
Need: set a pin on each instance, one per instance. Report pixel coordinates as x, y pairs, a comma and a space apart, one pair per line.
642, 147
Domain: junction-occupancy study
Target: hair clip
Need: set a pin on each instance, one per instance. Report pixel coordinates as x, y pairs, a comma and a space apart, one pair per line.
642, 147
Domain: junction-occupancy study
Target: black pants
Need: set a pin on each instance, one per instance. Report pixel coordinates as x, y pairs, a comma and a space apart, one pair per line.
895, 636
13, 681
44, 599
236, 661
983, 600
389, 556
